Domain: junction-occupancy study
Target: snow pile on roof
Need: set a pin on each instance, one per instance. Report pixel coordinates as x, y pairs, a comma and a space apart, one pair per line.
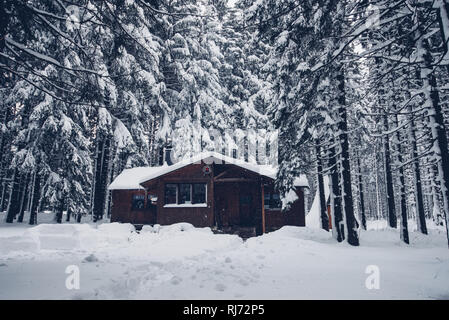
301, 181
132, 178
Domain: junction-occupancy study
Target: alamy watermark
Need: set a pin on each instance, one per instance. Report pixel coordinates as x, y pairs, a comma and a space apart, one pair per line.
252, 145
72, 282
372, 282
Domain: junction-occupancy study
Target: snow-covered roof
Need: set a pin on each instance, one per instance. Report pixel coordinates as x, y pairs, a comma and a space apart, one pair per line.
132, 178
301, 181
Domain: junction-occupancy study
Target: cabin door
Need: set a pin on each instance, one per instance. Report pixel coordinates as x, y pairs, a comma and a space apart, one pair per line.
246, 206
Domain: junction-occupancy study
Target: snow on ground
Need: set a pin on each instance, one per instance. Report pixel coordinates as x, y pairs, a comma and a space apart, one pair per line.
183, 262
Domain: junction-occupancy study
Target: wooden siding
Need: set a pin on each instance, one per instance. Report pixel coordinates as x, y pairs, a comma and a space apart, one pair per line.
122, 211
295, 216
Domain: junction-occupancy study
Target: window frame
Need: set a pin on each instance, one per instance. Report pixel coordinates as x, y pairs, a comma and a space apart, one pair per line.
271, 200
205, 192
135, 198
180, 193
165, 194
191, 189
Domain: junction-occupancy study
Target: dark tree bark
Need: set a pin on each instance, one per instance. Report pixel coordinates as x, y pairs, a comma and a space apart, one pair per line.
35, 197
78, 217
438, 129
351, 222
101, 178
24, 199
322, 196
417, 180
3, 195
443, 11
402, 195
336, 208
14, 198
361, 195
60, 210
442, 154
392, 219
3, 161
69, 213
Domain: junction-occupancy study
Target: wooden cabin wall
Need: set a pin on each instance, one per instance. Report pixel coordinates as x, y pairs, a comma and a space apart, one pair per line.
295, 216
121, 208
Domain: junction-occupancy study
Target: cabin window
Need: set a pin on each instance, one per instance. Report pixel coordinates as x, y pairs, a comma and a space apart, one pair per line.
199, 192
185, 193
171, 193
272, 201
138, 202
266, 200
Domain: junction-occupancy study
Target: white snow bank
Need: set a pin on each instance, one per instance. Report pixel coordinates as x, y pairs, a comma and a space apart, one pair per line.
117, 238
318, 235
183, 262
17, 244
116, 229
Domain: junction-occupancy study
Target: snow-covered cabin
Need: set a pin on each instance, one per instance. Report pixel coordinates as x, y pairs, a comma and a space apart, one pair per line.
207, 190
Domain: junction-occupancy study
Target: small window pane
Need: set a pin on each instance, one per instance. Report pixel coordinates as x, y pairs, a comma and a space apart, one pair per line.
199, 193
275, 201
170, 193
184, 193
138, 202
266, 200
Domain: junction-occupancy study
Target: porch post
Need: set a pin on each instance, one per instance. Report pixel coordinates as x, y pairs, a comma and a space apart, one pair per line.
263, 208
212, 191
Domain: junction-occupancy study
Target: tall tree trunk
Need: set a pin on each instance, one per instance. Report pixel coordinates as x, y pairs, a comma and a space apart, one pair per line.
338, 226
417, 183
348, 207
403, 197
14, 198
78, 217
35, 197
101, 178
361, 195
437, 126
59, 210
323, 210
3, 194
379, 207
443, 21
3, 165
436, 208
69, 213
24, 199
392, 219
